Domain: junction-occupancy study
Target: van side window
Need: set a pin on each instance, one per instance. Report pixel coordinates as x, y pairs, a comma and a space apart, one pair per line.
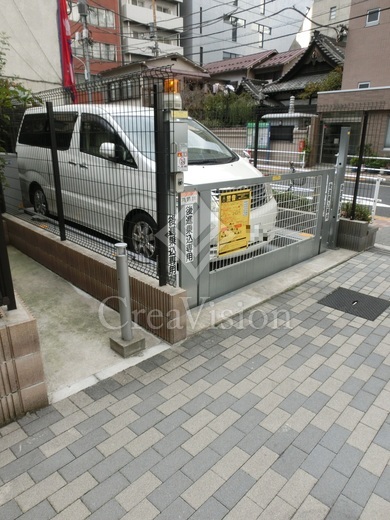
35, 130
95, 131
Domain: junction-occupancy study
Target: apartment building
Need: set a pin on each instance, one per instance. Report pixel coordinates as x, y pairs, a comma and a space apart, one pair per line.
328, 16
97, 33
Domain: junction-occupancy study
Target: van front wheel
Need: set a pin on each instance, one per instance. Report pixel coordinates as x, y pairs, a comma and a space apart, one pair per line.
141, 235
40, 202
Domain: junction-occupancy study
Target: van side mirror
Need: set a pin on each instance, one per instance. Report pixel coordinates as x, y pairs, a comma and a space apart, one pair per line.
107, 150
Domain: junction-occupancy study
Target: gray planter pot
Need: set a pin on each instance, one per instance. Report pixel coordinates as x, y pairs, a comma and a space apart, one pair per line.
356, 235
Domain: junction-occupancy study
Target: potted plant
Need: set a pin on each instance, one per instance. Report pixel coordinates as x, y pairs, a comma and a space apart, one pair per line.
357, 234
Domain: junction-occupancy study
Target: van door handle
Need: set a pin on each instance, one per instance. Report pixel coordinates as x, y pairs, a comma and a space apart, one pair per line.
82, 165
72, 163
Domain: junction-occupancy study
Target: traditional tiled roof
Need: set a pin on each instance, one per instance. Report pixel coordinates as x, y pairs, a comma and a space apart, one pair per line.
280, 59
292, 84
241, 63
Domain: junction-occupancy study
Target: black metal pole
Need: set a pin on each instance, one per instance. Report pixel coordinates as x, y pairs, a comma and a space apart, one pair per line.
56, 170
161, 133
256, 146
7, 295
359, 167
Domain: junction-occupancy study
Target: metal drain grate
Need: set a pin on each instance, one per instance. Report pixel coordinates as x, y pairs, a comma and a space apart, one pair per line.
355, 303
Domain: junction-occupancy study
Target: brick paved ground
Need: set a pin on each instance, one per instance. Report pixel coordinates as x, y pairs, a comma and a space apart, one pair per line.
282, 414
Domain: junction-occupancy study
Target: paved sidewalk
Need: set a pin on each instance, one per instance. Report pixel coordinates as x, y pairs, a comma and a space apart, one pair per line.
279, 413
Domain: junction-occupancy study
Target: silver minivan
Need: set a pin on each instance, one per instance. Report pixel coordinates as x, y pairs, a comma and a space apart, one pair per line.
106, 156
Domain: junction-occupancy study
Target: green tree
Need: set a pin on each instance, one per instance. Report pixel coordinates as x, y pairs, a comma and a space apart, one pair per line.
332, 81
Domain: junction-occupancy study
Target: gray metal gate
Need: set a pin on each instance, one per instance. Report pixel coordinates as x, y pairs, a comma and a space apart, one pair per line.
297, 216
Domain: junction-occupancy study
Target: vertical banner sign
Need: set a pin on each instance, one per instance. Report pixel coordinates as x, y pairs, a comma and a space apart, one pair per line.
188, 200
234, 223
65, 38
171, 235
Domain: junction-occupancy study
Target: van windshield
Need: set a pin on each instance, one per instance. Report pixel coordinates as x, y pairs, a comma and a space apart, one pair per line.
203, 146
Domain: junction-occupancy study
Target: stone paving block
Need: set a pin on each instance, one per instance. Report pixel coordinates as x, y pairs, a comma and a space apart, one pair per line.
149, 404
234, 489
383, 485
76, 511
224, 421
245, 403
377, 508
60, 442
31, 443
171, 441
170, 464
19, 466
199, 441
360, 486
10, 511
68, 422
43, 511
201, 490
72, 492
197, 404
13, 488
80, 465
316, 401
169, 490
266, 488
106, 491
289, 462
178, 509
146, 421
101, 405
140, 465
281, 439
110, 465
222, 403
42, 423
300, 419
293, 402
350, 418
374, 385
344, 509
39, 492
275, 420
230, 463
329, 487
335, 438
347, 460
363, 400
111, 510
325, 418
296, 489
318, 461
361, 437
254, 440
227, 440
340, 400
51, 465
211, 509
116, 441
88, 441
200, 464
215, 376
249, 420
352, 385
198, 421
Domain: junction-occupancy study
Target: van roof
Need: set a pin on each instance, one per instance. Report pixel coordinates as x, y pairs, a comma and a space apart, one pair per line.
95, 109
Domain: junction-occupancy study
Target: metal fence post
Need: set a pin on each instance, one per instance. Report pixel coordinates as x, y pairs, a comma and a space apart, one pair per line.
56, 170
360, 161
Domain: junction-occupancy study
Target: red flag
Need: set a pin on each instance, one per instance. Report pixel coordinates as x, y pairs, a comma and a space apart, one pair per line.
68, 77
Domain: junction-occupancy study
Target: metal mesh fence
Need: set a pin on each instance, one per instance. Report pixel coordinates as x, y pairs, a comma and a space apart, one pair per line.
106, 148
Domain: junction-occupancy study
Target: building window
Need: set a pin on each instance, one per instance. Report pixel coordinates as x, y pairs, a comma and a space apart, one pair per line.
103, 51
387, 137
163, 9
364, 84
229, 55
332, 13
373, 17
138, 3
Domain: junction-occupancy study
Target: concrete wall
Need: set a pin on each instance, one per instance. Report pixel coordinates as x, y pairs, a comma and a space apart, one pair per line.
34, 53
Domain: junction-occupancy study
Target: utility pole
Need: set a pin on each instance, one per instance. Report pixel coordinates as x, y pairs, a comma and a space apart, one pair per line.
83, 12
153, 30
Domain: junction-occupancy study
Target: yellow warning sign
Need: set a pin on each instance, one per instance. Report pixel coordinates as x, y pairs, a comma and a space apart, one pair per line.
234, 221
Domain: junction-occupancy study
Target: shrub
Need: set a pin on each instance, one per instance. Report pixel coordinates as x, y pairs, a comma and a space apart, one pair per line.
362, 212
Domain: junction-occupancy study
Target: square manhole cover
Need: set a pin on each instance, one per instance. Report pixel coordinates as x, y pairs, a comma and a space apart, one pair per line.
355, 303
